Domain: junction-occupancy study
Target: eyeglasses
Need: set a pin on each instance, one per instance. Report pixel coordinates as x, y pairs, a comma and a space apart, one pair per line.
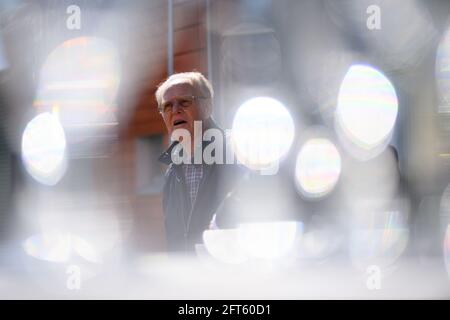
183, 101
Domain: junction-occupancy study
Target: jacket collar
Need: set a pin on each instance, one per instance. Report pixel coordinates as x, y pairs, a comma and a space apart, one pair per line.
166, 156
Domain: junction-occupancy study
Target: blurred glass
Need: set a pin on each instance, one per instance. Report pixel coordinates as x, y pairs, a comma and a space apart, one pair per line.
400, 41
378, 239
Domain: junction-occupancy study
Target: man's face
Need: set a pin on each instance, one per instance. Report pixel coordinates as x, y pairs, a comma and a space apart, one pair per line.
183, 111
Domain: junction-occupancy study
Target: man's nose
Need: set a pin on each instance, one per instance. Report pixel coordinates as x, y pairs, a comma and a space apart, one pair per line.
176, 107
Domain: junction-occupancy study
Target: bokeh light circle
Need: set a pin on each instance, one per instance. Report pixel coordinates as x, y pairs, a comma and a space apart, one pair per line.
80, 78
442, 70
224, 246
44, 149
367, 108
317, 168
444, 212
267, 240
262, 132
446, 249
59, 247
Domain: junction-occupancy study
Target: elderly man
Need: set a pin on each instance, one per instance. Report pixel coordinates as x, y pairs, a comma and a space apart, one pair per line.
192, 192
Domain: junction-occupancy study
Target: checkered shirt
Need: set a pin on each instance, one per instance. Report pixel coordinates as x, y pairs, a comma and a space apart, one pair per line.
193, 174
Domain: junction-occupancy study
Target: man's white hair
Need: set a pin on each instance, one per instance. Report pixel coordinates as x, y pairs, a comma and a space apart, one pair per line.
198, 81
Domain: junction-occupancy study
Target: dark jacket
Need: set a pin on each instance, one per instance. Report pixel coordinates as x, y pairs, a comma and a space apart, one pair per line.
218, 180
